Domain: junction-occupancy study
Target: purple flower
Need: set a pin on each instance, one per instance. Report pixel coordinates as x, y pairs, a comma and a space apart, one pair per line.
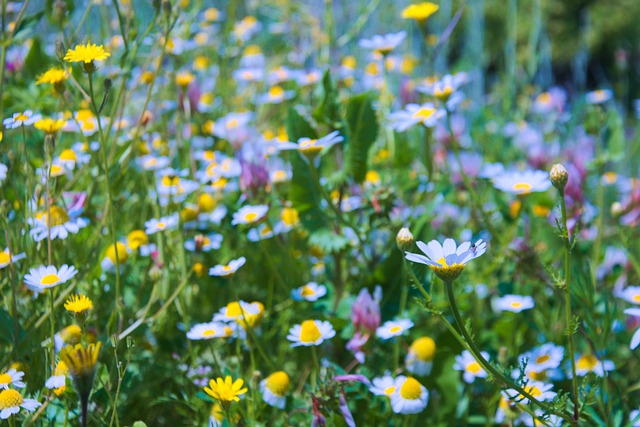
365, 313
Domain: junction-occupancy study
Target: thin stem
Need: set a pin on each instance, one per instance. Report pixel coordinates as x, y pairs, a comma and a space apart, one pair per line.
14, 305
316, 366
567, 299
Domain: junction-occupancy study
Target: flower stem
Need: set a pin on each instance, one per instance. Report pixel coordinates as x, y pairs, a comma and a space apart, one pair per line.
316, 366
567, 299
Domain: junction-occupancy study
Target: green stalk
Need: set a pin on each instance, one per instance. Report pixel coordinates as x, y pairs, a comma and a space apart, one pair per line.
316, 367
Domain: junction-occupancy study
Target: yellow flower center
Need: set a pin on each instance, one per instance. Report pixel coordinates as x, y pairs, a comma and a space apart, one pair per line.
137, 238
424, 113
5, 379
250, 217
68, 155
170, 181
233, 308
635, 298
289, 216
161, 225
543, 358
21, 118
610, 177
587, 362
443, 93
390, 390
227, 268
538, 376
265, 231
522, 187
544, 98
307, 291
276, 92
278, 383
50, 280
208, 333
5, 258
56, 170
233, 123
473, 367
10, 398
424, 348
309, 331
516, 304
395, 329
411, 389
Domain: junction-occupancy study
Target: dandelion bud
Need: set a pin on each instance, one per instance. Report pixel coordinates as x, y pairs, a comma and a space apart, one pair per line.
61, 51
155, 273
404, 239
559, 176
166, 7
107, 85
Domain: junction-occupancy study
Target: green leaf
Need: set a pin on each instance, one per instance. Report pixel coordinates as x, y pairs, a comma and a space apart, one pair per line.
362, 131
304, 195
36, 61
328, 111
615, 136
328, 241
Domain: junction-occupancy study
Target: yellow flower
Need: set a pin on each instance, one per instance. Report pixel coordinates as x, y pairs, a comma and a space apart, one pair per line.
50, 125
420, 11
53, 76
78, 304
86, 53
226, 391
184, 78
80, 359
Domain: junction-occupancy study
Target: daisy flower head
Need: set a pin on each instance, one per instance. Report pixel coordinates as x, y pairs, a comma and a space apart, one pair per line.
419, 360
164, 223
447, 260
26, 118
249, 214
537, 389
522, 183
209, 330
419, 11
274, 389
263, 231
241, 312
635, 340
229, 269
204, 243
59, 220
45, 277
311, 333
58, 381
78, 304
309, 292
547, 356
226, 390
87, 54
513, 303
587, 363
11, 378
6, 258
276, 95
383, 44
11, 401
393, 328
312, 147
110, 259
384, 386
427, 114
466, 363
630, 293
598, 97
409, 397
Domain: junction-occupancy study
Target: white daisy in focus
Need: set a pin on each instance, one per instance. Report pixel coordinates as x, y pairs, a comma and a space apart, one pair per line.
410, 397
274, 389
447, 260
311, 333
11, 378
11, 401
45, 277
471, 369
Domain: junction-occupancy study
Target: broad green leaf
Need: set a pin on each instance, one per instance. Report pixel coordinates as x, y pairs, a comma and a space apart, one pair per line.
328, 111
304, 195
362, 131
328, 241
36, 61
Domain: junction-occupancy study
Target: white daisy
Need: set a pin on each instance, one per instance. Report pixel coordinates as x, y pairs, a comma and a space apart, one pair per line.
11, 401
274, 389
62, 223
384, 386
229, 269
383, 44
635, 339
410, 397
547, 356
313, 147
45, 277
3, 172
310, 333
419, 360
249, 214
599, 96
309, 292
513, 303
393, 328
587, 363
202, 243
11, 378
26, 118
427, 114
537, 389
630, 293
239, 311
6, 258
276, 95
165, 223
466, 363
210, 330
521, 183
264, 231
447, 260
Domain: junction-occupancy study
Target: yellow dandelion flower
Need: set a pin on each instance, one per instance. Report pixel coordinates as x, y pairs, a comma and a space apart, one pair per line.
420, 11
53, 76
50, 125
78, 304
86, 53
80, 359
226, 390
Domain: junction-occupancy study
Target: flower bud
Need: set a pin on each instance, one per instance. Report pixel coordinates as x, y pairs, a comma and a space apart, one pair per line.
404, 239
559, 176
61, 51
616, 209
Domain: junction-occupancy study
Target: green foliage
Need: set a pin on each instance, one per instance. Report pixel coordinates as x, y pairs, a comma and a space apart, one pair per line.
362, 131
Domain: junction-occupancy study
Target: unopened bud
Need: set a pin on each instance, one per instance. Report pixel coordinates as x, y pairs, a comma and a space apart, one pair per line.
404, 239
166, 7
107, 85
616, 209
559, 176
61, 51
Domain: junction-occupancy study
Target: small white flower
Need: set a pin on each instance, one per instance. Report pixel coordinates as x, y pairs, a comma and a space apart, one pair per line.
384, 386
520, 183
513, 303
310, 333
309, 292
229, 269
26, 118
6, 258
448, 253
393, 328
427, 114
410, 397
204, 243
466, 363
587, 363
45, 277
537, 389
383, 44
210, 330
12, 401
164, 223
274, 389
599, 96
630, 294
249, 214
11, 378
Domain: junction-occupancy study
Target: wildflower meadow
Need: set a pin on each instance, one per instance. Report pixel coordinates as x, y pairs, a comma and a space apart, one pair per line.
319, 213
